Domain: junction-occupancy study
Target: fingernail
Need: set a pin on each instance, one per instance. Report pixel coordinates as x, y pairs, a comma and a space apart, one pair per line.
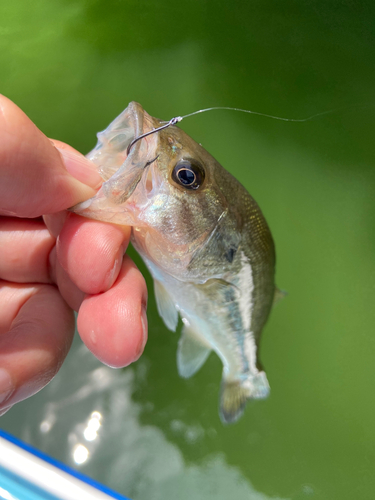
81, 168
114, 271
144, 331
6, 385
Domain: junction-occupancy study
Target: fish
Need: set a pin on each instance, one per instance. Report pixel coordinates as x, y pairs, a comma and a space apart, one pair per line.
204, 240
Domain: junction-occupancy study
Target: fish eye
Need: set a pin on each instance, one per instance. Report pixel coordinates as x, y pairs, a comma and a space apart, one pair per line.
188, 174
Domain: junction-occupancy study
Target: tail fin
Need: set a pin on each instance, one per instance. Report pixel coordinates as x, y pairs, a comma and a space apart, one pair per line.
235, 393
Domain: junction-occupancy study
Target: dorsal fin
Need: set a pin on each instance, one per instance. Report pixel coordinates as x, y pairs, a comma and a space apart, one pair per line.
191, 353
166, 306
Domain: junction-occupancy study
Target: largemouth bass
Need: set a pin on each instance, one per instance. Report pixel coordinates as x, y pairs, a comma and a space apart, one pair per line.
204, 240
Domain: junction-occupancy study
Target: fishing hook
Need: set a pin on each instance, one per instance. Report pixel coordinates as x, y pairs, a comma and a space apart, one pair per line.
151, 161
173, 121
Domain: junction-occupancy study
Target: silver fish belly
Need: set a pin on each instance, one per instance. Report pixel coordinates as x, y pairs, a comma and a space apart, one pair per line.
204, 240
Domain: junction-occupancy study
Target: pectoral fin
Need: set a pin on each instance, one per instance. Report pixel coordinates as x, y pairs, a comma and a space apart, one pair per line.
165, 305
278, 295
191, 353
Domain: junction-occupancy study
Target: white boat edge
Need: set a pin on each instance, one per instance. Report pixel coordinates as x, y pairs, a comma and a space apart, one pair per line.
22, 461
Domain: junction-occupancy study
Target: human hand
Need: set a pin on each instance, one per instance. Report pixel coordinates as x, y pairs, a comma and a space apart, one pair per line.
53, 265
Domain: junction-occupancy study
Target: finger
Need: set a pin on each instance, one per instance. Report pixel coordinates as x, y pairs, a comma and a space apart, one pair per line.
91, 252
55, 222
113, 324
12, 297
77, 164
63, 146
34, 178
34, 347
24, 249
72, 295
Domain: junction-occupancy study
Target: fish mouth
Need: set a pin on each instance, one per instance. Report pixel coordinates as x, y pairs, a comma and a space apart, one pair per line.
122, 170
110, 152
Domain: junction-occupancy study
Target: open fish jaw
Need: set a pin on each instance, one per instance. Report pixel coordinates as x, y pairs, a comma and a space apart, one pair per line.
121, 172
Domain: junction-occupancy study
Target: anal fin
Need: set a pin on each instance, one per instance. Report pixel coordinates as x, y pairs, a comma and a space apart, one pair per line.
191, 353
165, 305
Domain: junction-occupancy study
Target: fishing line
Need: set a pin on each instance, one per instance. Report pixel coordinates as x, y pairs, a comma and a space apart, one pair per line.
178, 119
259, 114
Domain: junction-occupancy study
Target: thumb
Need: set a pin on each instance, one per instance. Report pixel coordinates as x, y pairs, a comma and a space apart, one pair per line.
35, 177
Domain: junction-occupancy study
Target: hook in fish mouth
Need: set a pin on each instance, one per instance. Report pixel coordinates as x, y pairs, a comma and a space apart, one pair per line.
151, 161
173, 121
148, 178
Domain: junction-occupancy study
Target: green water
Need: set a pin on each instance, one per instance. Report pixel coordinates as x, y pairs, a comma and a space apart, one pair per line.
73, 66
